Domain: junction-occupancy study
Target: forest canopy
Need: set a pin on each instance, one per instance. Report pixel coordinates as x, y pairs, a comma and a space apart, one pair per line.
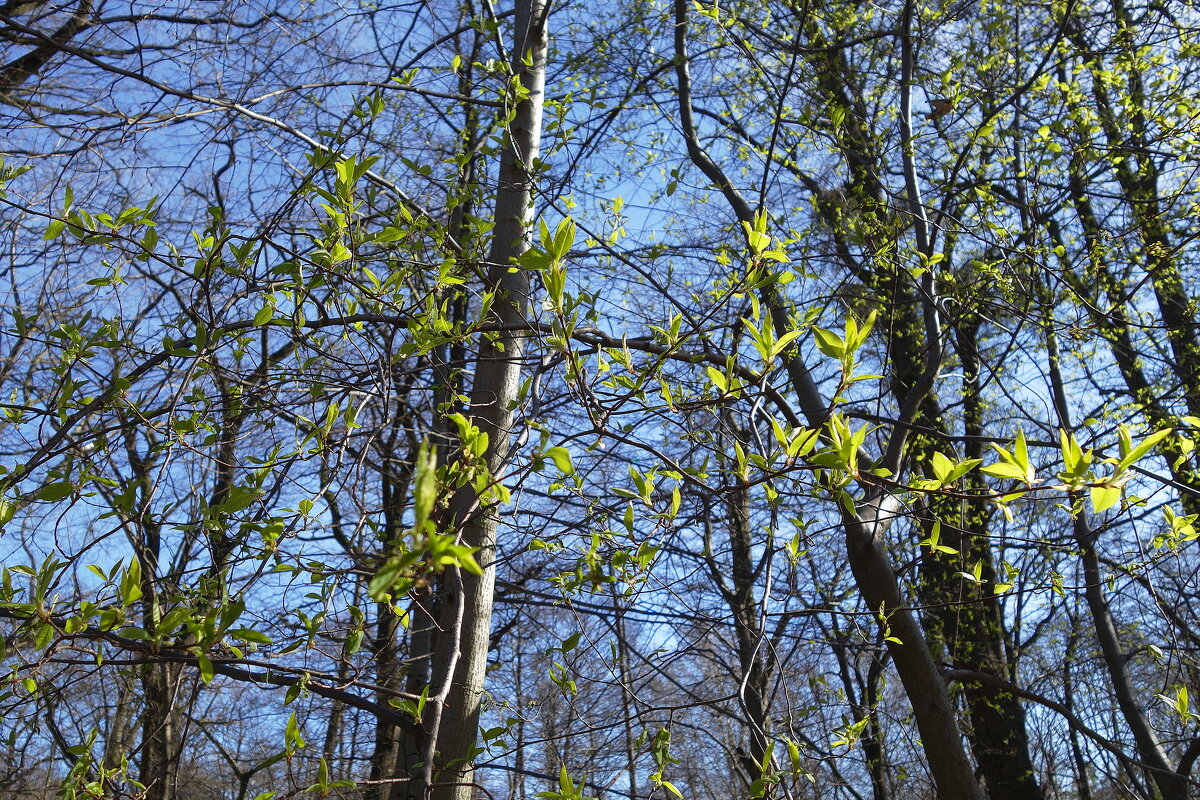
665, 398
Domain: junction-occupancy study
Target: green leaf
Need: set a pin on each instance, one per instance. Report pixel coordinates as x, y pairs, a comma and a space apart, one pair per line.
1136, 452
794, 757
947, 471
1003, 470
758, 241
172, 620
206, 668
564, 780
54, 492
386, 578
250, 635
1021, 452
238, 499
564, 239
829, 343
837, 115
718, 379
465, 556
293, 738
425, 487
1105, 497
941, 467
131, 582
562, 460
935, 538
963, 467
782, 343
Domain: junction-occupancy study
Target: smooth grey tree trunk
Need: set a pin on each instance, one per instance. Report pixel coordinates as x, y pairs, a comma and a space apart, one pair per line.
466, 610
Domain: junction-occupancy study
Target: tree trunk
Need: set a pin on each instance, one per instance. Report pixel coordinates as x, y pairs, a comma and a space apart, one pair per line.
864, 527
919, 672
160, 739
466, 610
1170, 784
754, 673
388, 675
972, 627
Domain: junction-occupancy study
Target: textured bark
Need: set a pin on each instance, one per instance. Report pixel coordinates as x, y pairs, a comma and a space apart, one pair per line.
864, 528
334, 726
754, 663
972, 630
160, 736
968, 620
158, 754
872, 738
413, 741
119, 741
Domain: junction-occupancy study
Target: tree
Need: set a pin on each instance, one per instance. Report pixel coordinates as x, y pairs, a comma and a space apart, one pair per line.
801, 406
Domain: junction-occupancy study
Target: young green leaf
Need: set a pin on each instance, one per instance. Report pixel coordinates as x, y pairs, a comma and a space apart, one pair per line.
562, 460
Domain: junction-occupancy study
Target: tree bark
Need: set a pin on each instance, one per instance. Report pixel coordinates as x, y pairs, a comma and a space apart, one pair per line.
919, 672
865, 526
1170, 784
466, 610
968, 620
